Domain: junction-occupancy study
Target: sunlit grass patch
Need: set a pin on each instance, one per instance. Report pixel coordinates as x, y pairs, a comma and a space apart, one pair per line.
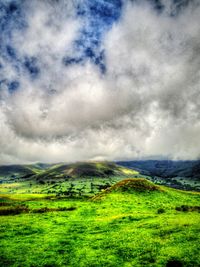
129, 171
10, 185
24, 197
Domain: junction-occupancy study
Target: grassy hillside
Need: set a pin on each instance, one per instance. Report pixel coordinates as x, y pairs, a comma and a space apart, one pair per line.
133, 223
15, 171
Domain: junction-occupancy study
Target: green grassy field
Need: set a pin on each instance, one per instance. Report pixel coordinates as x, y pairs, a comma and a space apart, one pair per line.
127, 225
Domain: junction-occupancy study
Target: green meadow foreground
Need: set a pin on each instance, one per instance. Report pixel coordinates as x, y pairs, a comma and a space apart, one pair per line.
130, 224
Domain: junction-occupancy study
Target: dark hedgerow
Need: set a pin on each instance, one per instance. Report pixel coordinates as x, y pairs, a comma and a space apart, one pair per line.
24, 209
174, 263
186, 208
14, 210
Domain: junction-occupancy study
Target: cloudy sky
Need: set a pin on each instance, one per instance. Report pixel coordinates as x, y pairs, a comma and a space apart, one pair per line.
99, 80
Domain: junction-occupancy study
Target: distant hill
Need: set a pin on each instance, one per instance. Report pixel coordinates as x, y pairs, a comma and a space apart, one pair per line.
85, 169
15, 170
22, 171
166, 168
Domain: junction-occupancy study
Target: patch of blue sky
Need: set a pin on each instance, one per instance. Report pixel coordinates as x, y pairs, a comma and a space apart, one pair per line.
12, 18
31, 66
98, 16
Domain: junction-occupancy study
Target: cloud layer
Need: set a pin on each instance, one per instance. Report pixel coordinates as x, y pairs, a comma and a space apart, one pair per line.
135, 95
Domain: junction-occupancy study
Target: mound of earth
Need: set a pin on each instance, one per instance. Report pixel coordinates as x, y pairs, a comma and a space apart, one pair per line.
134, 184
129, 185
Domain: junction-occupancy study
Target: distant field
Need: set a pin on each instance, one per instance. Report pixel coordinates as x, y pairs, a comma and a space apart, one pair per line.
128, 224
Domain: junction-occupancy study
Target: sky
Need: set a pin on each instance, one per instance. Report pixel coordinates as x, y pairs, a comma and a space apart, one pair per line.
99, 80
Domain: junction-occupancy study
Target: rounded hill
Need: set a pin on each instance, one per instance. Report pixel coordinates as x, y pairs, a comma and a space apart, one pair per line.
86, 170
134, 184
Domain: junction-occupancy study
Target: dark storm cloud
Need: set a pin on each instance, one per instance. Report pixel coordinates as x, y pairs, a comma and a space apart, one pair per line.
87, 80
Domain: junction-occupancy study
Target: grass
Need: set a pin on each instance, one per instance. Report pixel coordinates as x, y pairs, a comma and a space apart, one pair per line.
121, 228
25, 197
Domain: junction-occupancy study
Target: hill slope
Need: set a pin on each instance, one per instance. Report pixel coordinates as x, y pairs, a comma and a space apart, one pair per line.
166, 168
11, 173
15, 171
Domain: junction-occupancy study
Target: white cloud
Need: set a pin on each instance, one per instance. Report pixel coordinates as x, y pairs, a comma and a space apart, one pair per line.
146, 104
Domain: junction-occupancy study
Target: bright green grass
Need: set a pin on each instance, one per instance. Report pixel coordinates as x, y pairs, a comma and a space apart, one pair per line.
119, 229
